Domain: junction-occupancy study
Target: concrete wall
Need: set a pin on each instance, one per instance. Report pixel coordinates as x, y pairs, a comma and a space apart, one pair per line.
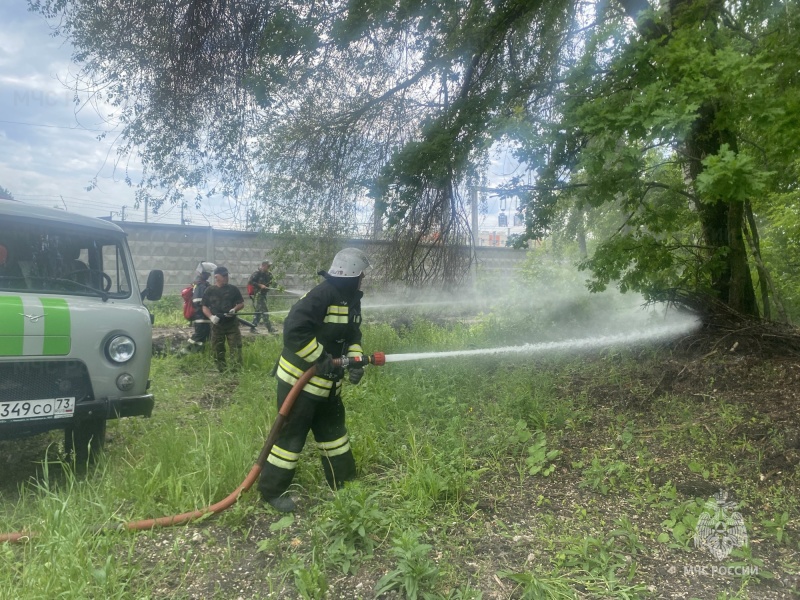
176, 250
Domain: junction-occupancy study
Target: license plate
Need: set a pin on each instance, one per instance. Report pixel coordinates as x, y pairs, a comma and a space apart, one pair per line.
26, 410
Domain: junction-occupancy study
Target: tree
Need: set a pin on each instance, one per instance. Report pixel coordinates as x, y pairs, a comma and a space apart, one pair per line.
663, 120
314, 106
5, 194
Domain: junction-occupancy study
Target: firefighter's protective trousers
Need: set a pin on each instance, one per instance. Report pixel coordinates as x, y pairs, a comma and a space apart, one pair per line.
326, 419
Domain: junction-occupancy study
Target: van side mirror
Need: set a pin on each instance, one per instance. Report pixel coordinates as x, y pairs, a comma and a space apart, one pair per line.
155, 285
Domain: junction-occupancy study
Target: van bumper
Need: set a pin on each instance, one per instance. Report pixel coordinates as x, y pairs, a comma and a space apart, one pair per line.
116, 408
107, 408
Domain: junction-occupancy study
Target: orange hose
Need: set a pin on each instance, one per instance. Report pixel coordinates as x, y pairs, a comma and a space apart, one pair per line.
145, 524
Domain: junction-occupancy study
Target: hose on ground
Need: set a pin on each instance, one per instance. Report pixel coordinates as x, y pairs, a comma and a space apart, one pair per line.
220, 506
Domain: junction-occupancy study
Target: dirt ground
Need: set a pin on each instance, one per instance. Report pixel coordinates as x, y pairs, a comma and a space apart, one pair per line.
747, 367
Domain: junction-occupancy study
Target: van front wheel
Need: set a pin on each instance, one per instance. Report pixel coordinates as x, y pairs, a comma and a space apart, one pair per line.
85, 439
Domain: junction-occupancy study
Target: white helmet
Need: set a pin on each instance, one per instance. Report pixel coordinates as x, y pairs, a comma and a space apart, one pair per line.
350, 262
204, 267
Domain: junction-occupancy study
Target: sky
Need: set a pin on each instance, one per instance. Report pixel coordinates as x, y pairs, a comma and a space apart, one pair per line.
49, 146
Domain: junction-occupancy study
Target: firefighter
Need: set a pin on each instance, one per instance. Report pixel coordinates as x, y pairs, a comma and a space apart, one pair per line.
221, 302
202, 326
260, 281
323, 324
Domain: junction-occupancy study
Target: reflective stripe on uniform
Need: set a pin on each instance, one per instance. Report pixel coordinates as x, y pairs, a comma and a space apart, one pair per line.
355, 350
318, 386
31, 326
337, 314
336, 447
311, 352
283, 458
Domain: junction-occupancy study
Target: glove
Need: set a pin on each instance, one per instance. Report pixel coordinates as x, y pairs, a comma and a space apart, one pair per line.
231, 313
214, 319
356, 375
325, 365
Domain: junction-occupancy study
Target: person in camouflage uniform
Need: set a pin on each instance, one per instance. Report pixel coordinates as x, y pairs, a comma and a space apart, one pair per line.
221, 302
260, 280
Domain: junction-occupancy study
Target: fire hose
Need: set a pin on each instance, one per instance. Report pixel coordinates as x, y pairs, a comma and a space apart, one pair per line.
377, 359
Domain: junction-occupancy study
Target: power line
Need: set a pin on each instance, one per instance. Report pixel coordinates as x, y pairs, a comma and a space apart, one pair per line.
79, 128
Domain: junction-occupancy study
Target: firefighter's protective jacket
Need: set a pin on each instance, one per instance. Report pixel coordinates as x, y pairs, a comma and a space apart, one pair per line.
200, 287
326, 319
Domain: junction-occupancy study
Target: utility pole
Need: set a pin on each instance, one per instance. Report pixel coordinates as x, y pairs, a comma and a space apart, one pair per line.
473, 193
146, 202
123, 212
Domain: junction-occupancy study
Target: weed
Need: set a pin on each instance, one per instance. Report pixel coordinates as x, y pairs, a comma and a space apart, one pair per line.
415, 575
466, 594
354, 519
312, 584
626, 534
696, 467
539, 459
681, 524
596, 557
279, 531
436, 476
342, 556
605, 476
310, 581
538, 586
777, 527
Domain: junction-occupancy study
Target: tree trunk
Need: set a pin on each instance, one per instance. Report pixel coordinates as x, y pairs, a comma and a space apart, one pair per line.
721, 219
582, 235
764, 279
741, 295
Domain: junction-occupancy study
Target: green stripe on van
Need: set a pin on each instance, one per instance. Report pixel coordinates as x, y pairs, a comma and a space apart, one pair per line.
12, 326
56, 326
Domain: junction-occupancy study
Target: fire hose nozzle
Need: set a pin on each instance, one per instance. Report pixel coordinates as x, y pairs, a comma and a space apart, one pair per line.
355, 362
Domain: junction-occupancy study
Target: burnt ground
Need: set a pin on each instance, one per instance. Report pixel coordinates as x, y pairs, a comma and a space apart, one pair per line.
754, 370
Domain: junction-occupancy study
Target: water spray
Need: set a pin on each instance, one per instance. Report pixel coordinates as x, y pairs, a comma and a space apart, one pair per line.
663, 332
630, 338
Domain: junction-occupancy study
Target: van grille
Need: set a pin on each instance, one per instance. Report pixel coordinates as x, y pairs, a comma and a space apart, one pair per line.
48, 379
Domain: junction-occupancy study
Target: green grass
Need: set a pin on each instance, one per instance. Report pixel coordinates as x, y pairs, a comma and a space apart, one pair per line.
457, 458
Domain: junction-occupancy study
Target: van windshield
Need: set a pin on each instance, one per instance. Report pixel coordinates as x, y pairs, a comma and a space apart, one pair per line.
51, 259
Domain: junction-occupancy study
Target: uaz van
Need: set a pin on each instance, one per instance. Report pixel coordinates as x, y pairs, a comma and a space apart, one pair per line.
75, 338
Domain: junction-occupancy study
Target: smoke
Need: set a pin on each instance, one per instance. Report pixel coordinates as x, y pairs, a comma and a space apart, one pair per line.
545, 301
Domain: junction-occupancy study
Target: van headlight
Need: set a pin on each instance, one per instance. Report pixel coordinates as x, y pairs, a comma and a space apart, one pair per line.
120, 349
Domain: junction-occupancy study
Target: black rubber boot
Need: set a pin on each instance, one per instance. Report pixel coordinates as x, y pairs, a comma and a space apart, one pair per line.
283, 504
